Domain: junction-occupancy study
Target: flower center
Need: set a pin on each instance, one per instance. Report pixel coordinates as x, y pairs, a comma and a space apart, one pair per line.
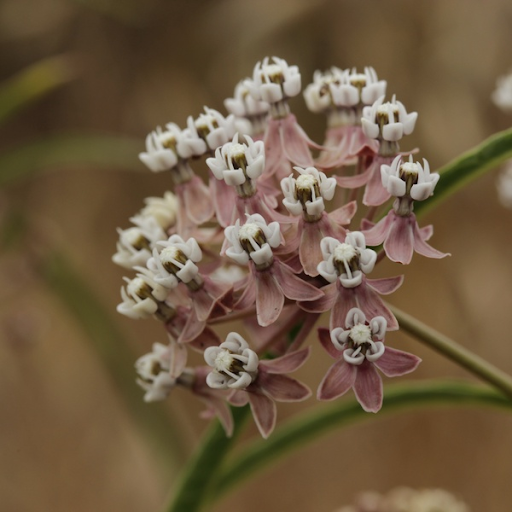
272, 73
346, 259
386, 113
138, 287
173, 259
135, 238
251, 237
360, 334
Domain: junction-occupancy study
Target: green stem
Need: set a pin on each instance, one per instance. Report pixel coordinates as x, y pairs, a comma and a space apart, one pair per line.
467, 167
309, 426
452, 350
197, 476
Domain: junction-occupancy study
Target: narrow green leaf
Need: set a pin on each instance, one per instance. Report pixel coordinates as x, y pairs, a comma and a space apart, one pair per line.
469, 166
192, 489
309, 426
34, 82
70, 151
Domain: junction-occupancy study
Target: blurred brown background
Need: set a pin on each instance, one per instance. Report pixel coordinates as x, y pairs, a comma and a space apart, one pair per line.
67, 439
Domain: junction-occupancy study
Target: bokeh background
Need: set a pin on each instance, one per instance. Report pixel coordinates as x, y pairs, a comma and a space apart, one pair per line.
69, 438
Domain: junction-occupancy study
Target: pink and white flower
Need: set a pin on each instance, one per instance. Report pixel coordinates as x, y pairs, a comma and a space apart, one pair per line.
269, 280
305, 197
345, 266
259, 382
359, 349
399, 230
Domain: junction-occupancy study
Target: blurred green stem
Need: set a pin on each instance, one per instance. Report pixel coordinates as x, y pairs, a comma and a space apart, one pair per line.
201, 469
455, 352
310, 425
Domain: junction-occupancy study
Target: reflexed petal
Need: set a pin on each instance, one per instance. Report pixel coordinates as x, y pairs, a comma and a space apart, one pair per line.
376, 234
193, 328
239, 398
208, 338
178, 358
224, 199
371, 304
340, 377
264, 412
394, 363
295, 142
324, 335
385, 285
399, 244
421, 247
368, 387
269, 298
427, 232
197, 200
309, 249
344, 214
325, 303
346, 300
222, 411
375, 193
283, 388
355, 181
294, 287
248, 297
287, 363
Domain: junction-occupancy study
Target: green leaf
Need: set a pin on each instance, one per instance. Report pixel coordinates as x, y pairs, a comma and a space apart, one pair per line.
309, 426
34, 82
197, 476
469, 166
70, 151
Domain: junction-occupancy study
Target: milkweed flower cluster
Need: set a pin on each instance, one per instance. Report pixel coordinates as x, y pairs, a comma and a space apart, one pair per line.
249, 234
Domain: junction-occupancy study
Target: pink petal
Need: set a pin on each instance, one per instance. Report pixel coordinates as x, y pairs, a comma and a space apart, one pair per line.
287, 363
359, 142
208, 338
324, 303
224, 197
261, 336
197, 200
346, 300
178, 358
222, 412
385, 285
427, 232
273, 150
248, 297
309, 250
269, 297
376, 234
207, 296
368, 387
283, 388
294, 287
239, 398
356, 181
340, 377
394, 363
192, 329
371, 305
295, 142
264, 412
375, 193
344, 214
399, 243
324, 335
421, 247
